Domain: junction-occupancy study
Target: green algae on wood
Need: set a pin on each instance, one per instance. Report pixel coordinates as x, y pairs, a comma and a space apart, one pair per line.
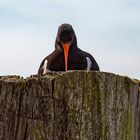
77, 105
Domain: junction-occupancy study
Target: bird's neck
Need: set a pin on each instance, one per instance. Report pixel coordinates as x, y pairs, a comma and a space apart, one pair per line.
73, 47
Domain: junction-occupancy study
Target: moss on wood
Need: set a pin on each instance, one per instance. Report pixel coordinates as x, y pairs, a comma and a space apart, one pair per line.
76, 105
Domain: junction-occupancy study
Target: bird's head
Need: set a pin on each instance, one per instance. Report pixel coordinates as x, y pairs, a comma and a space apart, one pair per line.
65, 34
65, 39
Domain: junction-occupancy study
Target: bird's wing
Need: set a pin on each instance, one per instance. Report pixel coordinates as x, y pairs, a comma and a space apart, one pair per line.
43, 66
91, 62
48, 61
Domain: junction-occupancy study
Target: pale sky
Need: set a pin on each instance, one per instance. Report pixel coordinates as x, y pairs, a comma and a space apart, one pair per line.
109, 30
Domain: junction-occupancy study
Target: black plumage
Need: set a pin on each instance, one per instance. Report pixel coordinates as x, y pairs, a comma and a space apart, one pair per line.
77, 59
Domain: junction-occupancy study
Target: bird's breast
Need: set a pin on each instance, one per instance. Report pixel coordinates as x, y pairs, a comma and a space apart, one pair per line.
76, 61
58, 64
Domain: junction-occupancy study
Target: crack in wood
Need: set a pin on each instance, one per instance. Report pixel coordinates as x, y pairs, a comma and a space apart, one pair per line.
25, 133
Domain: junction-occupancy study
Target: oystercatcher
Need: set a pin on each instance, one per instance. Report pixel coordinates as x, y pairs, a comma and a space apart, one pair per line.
67, 55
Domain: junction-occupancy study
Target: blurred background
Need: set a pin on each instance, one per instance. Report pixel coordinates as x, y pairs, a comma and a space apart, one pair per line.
109, 30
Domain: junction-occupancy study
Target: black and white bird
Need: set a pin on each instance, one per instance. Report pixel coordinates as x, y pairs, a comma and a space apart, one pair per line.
67, 55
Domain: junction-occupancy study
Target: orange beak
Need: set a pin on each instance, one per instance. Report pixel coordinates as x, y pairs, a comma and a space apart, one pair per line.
66, 51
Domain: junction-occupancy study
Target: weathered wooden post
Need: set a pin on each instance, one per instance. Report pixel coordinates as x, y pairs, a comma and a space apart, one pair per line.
75, 105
